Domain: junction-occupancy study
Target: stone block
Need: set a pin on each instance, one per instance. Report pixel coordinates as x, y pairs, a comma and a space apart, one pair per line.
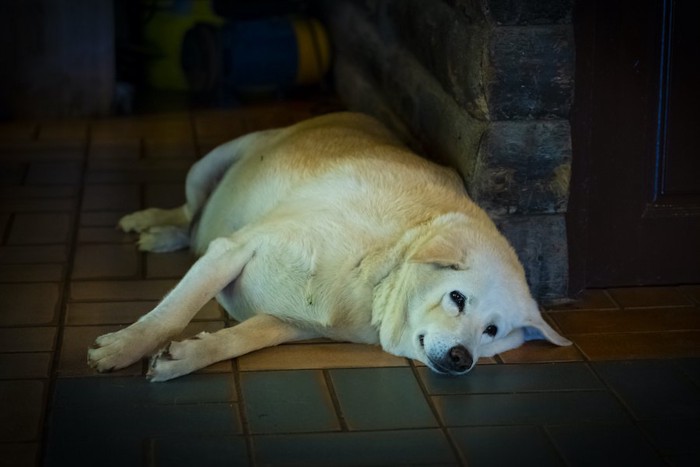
540, 242
523, 167
530, 72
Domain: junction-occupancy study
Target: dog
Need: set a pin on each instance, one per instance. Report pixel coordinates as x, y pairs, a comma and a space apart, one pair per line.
329, 228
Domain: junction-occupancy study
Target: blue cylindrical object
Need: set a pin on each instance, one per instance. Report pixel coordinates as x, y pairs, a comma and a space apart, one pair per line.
259, 53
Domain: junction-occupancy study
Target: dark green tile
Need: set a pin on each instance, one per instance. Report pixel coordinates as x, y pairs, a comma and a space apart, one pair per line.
526, 446
211, 451
618, 444
409, 447
191, 389
20, 454
120, 434
288, 402
529, 409
381, 398
691, 368
675, 437
21, 405
514, 378
646, 386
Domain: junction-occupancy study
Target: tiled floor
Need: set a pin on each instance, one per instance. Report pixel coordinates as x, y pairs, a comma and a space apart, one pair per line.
628, 392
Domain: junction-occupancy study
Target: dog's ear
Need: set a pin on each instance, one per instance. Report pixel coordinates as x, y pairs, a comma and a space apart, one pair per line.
536, 328
444, 249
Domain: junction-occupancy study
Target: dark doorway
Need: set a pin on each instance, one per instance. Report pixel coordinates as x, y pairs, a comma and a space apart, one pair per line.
634, 217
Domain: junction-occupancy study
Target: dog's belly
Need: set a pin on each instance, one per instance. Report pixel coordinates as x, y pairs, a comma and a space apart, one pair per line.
327, 301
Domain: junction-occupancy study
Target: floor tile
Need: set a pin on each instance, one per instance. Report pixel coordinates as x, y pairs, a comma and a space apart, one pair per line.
59, 172
645, 386
25, 365
30, 228
167, 150
692, 292
505, 445
101, 219
616, 346
121, 290
21, 406
87, 313
514, 378
61, 130
642, 297
111, 198
33, 254
690, 367
529, 408
38, 191
165, 195
22, 304
675, 438
124, 149
212, 451
106, 235
540, 351
378, 398
173, 264
106, 262
614, 444
287, 402
20, 454
594, 299
318, 356
34, 339
31, 273
635, 320
87, 393
29, 205
409, 447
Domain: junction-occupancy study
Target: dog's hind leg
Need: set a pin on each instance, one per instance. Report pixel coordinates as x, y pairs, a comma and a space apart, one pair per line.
260, 331
220, 265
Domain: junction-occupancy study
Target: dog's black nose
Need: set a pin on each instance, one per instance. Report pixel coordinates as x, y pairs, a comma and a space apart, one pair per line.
460, 358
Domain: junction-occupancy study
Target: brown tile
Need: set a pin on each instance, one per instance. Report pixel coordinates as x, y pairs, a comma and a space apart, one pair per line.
38, 205
112, 198
165, 195
318, 356
174, 264
130, 150
121, 290
161, 128
81, 313
541, 352
61, 130
629, 320
33, 254
692, 292
40, 151
165, 150
105, 261
18, 131
106, 235
40, 228
101, 219
21, 405
20, 454
593, 299
11, 173
54, 173
639, 345
25, 365
643, 297
34, 339
39, 191
31, 273
22, 304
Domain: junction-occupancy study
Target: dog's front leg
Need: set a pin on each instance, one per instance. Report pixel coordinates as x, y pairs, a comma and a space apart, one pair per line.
220, 265
260, 331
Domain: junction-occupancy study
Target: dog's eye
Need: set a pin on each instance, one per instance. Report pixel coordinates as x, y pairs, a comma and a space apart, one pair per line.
491, 330
458, 299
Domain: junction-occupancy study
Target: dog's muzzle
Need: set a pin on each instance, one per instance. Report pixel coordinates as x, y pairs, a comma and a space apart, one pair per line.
456, 361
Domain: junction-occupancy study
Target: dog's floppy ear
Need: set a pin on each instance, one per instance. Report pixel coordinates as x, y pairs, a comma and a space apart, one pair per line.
444, 249
536, 328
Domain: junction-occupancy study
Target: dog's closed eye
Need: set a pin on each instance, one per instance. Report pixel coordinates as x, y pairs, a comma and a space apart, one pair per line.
458, 299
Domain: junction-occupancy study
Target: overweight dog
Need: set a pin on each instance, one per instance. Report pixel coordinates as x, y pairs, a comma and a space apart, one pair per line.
329, 228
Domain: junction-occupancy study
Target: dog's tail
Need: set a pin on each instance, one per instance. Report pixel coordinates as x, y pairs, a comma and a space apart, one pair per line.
206, 173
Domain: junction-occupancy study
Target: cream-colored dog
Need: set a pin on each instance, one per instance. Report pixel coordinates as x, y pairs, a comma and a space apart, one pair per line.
329, 228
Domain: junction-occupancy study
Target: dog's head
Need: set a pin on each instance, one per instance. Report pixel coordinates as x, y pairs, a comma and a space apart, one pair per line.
461, 295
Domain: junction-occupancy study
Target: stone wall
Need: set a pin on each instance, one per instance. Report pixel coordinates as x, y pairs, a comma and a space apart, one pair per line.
484, 86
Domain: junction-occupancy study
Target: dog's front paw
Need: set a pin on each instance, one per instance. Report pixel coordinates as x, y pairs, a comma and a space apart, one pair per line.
139, 220
178, 359
163, 239
122, 348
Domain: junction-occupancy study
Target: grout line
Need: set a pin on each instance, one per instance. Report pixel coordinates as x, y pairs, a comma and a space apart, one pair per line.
64, 298
334, 399
243, 416
431, 404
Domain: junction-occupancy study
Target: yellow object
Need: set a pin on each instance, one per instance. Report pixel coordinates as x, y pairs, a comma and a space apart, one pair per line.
164, 33
314, 50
